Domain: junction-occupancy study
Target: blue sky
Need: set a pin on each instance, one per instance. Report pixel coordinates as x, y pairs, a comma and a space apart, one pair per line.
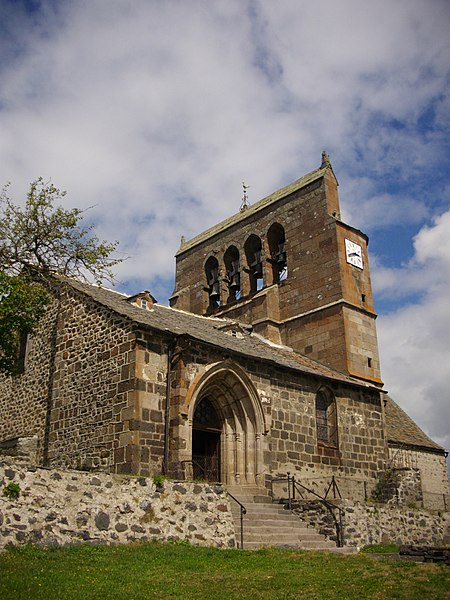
155, 112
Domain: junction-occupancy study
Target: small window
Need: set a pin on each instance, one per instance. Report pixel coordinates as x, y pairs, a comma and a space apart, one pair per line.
326, 418
22, 351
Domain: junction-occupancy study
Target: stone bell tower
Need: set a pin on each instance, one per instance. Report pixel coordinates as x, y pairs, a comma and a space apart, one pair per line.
292, 269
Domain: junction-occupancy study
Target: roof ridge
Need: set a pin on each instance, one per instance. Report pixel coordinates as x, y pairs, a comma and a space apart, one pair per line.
253, 208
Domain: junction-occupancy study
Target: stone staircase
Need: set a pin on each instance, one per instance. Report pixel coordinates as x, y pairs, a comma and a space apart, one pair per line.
268, 524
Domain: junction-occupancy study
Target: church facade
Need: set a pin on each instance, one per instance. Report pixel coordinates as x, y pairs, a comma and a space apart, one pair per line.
265, 363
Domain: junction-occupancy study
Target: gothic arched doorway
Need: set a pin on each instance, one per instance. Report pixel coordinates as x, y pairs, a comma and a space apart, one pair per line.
206, 430
225, 425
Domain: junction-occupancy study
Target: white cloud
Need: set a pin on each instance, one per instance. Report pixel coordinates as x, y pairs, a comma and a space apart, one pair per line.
414, 341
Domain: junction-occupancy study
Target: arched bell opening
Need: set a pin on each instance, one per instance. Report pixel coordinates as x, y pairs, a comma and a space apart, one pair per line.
232, 267
213, 282
227, 425
277, 248
253, 253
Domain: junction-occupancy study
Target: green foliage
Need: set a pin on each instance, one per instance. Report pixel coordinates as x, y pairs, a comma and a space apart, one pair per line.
43, 239
22, 303
37, 242
158, 480
386, 486
182, 571
382, 549
12, 490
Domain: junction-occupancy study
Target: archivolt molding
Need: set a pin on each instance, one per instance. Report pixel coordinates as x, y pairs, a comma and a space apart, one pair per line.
226, 377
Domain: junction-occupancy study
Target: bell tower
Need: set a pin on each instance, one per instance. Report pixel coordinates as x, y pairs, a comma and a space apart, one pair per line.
288, 266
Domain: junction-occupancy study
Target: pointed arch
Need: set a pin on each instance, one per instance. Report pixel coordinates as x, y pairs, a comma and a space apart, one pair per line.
326, 417
239, 411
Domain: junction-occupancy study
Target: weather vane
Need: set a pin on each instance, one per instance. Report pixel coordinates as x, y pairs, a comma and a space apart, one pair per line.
245, 203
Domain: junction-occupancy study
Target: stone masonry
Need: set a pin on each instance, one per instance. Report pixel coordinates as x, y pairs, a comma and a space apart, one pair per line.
370, 524
58, 507
324, 307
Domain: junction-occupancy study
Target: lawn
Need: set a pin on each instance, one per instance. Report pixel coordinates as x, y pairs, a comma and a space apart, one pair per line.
179, 571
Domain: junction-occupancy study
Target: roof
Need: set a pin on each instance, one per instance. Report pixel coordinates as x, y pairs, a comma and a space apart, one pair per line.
213, 331
254, 208
402, 430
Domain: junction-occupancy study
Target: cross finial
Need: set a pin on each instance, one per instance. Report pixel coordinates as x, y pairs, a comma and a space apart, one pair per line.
245, 203
325, 159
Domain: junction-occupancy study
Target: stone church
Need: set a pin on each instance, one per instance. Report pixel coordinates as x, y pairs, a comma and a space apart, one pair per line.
266, 362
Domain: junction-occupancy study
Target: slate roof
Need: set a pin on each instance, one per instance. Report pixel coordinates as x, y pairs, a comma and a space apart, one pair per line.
212, 331
402, 430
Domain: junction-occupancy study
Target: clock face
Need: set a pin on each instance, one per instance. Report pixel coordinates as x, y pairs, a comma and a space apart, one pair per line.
354, 254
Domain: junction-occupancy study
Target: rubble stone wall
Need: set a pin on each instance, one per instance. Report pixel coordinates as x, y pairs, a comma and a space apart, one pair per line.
365, 524
58, 507
24, 398
432, 467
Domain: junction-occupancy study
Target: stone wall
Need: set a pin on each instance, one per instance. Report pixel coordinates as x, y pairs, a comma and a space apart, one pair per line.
93, 371
92, 394
365, 524
324, 307
432, 467
24, 398
288, 403
57, 507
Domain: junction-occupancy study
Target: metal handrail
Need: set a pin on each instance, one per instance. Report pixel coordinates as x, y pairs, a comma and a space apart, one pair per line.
243, 511
297, 485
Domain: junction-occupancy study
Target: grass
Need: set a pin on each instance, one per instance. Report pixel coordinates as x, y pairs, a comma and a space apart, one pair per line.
179, 571
382, 549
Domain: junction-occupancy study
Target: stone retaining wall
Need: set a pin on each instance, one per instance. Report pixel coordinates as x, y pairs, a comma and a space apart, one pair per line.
57, 507
365, 524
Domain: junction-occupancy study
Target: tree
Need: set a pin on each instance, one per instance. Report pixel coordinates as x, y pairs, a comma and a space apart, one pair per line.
22, 304
38, 243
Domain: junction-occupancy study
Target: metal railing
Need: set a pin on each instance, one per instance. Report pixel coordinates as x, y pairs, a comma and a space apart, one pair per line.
200, 468
243, 511
295, 487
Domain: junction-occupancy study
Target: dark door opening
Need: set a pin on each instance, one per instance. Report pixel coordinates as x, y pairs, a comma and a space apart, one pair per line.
206, 455
206, 442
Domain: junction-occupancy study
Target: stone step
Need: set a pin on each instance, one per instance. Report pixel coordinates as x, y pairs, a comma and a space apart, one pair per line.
255, 515
257, 545
300, 533
292, 540
281, 524
272, 524
247, 490
263, 508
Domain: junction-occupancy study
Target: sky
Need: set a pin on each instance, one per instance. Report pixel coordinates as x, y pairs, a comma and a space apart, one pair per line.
153, 113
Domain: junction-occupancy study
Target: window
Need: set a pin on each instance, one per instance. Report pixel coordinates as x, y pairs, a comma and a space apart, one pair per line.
205, 415
231, 260
277, 248
326, 418
22, 352
253, 253
212, 278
